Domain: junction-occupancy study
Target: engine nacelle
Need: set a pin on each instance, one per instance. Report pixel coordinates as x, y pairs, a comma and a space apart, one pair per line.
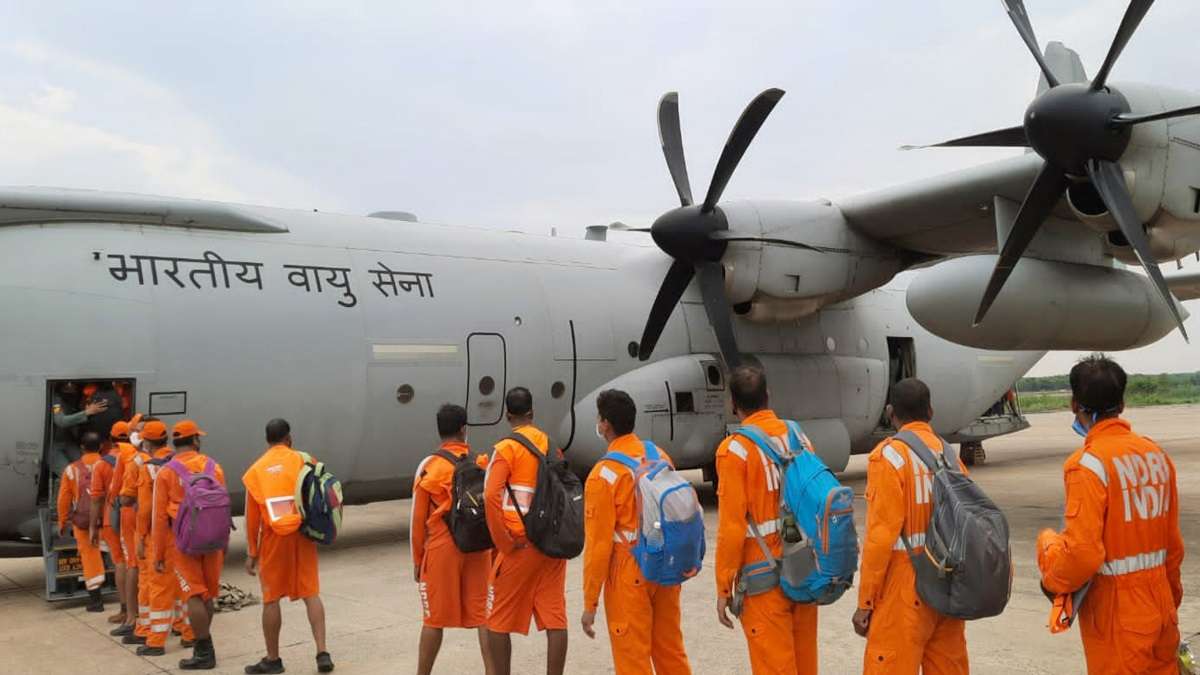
827, 261
1045, 305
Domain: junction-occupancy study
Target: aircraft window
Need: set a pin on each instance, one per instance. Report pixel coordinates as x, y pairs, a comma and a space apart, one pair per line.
714, 375
405, 393
633, 350
558, 389
487, 385
684, 403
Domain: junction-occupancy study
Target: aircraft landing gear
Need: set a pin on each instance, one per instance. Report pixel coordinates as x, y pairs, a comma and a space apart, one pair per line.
972, 454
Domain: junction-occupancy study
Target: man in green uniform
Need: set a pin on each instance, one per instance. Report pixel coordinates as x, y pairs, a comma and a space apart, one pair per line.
68, 418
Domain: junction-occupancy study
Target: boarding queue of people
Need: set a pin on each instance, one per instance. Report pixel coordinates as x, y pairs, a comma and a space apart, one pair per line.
1114, 568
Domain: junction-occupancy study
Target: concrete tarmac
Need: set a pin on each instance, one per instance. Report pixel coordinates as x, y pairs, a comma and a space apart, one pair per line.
374, 614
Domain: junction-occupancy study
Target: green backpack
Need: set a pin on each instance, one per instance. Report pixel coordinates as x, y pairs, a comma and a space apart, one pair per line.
319, 498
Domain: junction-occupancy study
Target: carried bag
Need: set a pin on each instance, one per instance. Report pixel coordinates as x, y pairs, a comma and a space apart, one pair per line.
816, 522
554, 519
114, 505
81, 510
319, 498
965, 571
466, 518
204, 519
670, 544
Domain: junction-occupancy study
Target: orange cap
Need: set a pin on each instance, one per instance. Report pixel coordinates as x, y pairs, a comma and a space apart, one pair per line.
186, 429
154, 431
120, 430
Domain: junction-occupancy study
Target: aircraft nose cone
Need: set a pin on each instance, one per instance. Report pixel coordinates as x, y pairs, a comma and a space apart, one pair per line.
685, 234
1070, 124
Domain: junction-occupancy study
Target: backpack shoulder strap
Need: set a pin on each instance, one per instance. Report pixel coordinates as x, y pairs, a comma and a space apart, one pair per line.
210, 467
651, 450
919, 447
796, 437
451, 457
759, 439
528, 445
622, 458
109, 460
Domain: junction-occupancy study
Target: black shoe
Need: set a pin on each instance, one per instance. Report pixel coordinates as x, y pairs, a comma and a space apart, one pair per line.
95, 602
133, 640
265, 666
204, 657
121, 631
151, 651
324, 663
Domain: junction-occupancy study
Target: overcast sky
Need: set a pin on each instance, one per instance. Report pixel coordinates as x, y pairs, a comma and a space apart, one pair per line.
534, 114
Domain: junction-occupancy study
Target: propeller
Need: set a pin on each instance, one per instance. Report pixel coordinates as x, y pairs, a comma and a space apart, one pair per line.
1079, 129
692, 233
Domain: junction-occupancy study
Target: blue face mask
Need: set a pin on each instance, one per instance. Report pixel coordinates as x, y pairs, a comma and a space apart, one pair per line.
1078, 427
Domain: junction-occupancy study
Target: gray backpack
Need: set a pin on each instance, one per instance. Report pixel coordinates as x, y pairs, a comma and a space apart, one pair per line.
966, 570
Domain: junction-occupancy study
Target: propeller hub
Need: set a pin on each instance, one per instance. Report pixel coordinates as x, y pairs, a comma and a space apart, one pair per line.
1070, 124
685, 234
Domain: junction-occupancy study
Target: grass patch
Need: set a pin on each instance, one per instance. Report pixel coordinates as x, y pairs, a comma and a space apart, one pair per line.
1048, 394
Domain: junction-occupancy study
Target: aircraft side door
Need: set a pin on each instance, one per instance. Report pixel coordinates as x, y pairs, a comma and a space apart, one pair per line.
487, 378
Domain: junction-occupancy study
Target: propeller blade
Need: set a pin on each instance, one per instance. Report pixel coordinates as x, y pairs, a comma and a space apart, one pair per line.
673, 286
1110, 183
671, 139
720, 315
739, 139
1130, 118
1129, 24
1020, 19
1012, 137
1045, 192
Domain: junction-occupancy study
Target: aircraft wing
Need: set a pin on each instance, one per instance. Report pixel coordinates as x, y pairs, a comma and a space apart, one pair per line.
950, 214
20, 205
1185, 286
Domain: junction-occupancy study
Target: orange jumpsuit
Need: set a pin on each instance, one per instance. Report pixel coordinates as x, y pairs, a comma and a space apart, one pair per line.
453, 585
70, 490
781, 634
525, 583
1122, 534
129, 536
643, 618
163, 596
199, 576
287, 560
117, 489
905, 635
102, 478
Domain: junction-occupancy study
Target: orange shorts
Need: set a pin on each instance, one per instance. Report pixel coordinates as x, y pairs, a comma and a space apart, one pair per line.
110, 539
454, 586
287, 566
526, 584
129, 536
197, 575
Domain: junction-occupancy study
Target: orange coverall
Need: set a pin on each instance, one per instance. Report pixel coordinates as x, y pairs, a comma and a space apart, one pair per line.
643, 618
453, 585
781, 634
163, 597
102, 478
524, 582
1122, 534
70, 490
287, 560
129, 537
905, 636
117, 489
197, 575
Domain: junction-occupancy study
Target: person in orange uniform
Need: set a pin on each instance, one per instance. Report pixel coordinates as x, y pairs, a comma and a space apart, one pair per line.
284, 560
74, 488
1122, 533
124, 489
525, 583
199, 576
643, 618
453, 585
904, 635
781, 634
106, 484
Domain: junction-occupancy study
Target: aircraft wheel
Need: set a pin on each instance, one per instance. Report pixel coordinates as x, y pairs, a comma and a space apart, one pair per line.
972, 454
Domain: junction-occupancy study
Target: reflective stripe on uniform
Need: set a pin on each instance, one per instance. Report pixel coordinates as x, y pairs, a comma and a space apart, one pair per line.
625, 537
158, 616
1134, 563
608, 475
160, 628
524, 498
737, 449
769, 527
1092, 463
915, 540
893, 456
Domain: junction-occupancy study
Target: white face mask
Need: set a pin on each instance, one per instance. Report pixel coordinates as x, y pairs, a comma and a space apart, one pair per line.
135, 439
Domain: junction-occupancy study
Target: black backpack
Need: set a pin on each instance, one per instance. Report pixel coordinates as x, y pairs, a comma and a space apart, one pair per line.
466, 518
554, 520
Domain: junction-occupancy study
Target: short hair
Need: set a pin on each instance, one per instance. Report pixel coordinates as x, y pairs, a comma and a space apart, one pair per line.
748, 387
277, 430
156, 442
450, 420
618, 409
1098, 384
90, 441
186, 441
518, 401
910, 400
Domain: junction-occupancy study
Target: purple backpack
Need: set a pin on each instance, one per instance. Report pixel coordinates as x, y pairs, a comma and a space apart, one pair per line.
204, 519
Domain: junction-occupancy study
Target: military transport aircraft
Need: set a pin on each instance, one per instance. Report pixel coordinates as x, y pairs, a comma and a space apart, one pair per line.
358, 328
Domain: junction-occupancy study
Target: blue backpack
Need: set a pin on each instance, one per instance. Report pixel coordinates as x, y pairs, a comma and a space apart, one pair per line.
319, 498
817, 513
670, 543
